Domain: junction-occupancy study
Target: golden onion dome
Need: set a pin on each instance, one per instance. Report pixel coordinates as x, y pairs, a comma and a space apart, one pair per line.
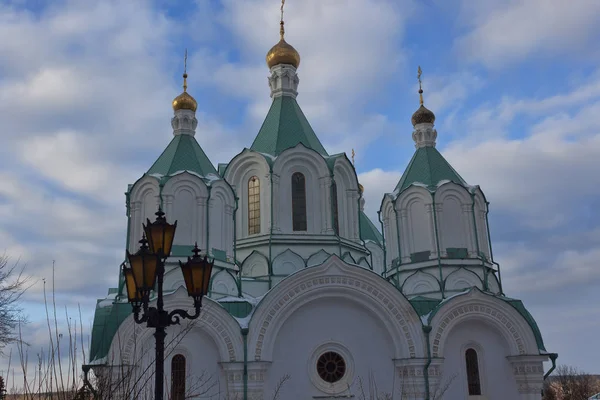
361, 188
185, 101
423, 115
283, 53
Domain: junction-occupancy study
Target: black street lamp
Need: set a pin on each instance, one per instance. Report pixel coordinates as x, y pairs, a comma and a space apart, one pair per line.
147, 268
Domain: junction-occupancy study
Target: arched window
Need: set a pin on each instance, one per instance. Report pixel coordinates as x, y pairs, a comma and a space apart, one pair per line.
178, 377
298, 202
253, 206
473, 373
334, 205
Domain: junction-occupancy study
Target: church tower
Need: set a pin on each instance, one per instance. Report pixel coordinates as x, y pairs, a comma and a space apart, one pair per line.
435, 224
298, 204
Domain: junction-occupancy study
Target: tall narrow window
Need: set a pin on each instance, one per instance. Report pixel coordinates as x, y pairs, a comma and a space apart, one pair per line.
253, 206
298, 202
178, 377
334, 205
473, 373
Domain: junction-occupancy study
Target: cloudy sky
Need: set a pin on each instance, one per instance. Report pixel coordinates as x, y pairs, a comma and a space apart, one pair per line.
86, 86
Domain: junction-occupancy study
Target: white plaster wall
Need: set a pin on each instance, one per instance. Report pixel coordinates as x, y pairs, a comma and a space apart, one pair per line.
482, 228
453, 220
202, 364
348, 195
311, 326
223, 284
317, 258
377, 256
220, 216
144, 203
389, 230
498, 382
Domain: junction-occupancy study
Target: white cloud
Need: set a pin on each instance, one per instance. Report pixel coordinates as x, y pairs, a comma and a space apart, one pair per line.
508, 31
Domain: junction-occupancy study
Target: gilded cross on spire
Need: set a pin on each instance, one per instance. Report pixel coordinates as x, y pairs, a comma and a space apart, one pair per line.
353, 154
419, 72
185, 72
281, 29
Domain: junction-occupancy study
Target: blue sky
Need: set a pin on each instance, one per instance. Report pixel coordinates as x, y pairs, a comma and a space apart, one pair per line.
85, 92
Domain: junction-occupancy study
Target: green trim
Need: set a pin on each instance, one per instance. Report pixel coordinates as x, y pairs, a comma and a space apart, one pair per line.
398, 236
437, 242
208, 218
107, 321
284, 127
270, 259
553, 357
424, 305
383, 242
235, 262
367, 229
427, 331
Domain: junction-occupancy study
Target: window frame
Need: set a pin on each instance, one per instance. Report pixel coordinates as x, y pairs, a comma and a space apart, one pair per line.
253, 206
178, 376
299, 206
473, 372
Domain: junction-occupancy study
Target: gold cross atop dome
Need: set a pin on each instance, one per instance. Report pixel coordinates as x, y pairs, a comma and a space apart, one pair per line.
282, 52
422, 115
185, 101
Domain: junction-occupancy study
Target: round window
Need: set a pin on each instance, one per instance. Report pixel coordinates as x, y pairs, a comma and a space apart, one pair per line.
331, 367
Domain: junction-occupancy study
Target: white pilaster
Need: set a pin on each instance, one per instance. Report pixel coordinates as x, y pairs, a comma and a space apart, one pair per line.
529, 374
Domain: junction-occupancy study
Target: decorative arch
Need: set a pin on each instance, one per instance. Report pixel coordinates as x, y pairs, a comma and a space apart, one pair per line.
347, 257
223, 284
390, 229
255, 265
220, 216
414, 207
455, 221
462, 279
347, 198
475, 305
185, 196
336, 279
238, 172
420, 282
143, 201
317, 258
311, 164
287, 263
214, 320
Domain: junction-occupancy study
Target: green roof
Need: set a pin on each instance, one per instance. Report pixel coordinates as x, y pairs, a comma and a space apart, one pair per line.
183, 154
428, 167
368, 230
285, 127
106, 322
424, 305
520, 307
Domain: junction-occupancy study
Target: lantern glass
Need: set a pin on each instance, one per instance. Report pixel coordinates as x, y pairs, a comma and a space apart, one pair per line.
132, 294
160, 234
196, 273
144, 266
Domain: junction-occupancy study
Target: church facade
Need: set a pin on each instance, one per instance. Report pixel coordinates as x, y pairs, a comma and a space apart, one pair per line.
308, 300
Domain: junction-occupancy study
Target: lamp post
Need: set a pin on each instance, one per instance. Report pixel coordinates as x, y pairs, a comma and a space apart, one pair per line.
147, 269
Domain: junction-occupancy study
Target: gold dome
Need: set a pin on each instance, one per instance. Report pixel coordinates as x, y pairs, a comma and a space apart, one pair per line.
283, 53
423, 115
361, 188
185, 101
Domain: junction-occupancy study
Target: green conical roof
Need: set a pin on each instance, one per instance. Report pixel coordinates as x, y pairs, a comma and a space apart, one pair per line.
183, 154
368, 230
428, 167
284, 127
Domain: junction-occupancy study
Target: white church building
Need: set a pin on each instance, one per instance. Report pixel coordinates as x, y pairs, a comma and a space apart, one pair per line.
309, 298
